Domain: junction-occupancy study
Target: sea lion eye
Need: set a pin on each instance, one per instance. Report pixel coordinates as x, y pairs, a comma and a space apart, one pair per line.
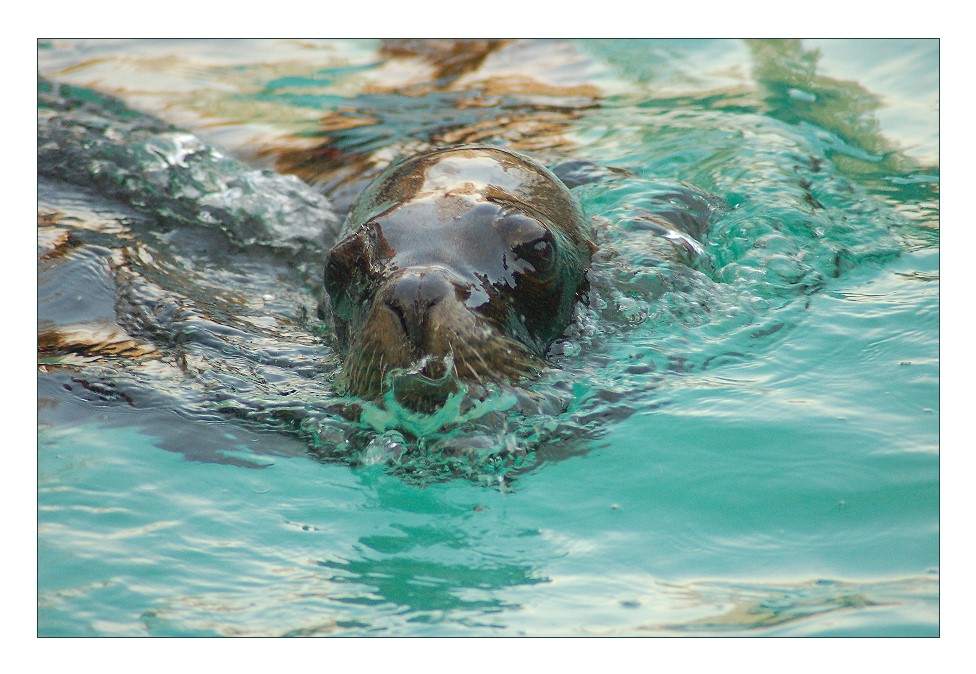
537, 252
529, 239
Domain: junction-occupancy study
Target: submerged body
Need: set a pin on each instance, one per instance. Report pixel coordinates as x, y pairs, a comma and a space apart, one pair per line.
462, 261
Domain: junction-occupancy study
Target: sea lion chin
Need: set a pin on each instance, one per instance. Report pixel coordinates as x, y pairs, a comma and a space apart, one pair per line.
456, 265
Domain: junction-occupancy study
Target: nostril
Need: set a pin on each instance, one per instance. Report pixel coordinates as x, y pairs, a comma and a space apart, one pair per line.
393, 305
410, 317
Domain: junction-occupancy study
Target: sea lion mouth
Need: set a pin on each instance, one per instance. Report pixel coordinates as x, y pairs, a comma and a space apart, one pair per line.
429, 370
425, 385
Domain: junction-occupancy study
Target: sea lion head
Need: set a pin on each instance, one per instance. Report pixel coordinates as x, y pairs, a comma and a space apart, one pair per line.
462, 261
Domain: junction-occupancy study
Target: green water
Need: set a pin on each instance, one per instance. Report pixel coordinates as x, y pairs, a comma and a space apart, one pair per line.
750, 444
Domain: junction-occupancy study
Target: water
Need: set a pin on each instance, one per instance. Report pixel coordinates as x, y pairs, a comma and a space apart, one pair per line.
741, 433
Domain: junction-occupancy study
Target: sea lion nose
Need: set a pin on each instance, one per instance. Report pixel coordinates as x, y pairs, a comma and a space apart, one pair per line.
411, 297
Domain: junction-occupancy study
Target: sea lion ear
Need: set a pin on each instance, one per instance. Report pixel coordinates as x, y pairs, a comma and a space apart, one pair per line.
592, 246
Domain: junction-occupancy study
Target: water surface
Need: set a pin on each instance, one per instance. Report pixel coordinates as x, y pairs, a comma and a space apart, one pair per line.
738, 440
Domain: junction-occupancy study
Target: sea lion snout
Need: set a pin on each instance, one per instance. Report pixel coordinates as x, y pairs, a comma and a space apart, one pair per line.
412, 297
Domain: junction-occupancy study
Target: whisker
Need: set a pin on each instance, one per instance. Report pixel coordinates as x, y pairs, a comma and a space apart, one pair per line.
454, 360
477, 355
360, 378
474, 373
382, 371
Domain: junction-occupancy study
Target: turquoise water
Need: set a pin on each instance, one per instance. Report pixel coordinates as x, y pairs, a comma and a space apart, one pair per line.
742, 440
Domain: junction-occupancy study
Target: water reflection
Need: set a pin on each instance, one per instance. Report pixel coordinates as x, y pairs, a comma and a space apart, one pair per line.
430, 590
788, 608
427, 93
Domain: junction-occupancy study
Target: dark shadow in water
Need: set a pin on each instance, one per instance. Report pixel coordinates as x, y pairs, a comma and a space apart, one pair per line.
67, 399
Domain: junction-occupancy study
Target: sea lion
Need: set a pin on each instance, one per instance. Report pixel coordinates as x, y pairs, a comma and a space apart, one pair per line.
458, 264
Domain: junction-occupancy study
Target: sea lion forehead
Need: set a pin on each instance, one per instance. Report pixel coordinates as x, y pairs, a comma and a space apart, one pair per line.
471, 174
475, 170
498, 175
